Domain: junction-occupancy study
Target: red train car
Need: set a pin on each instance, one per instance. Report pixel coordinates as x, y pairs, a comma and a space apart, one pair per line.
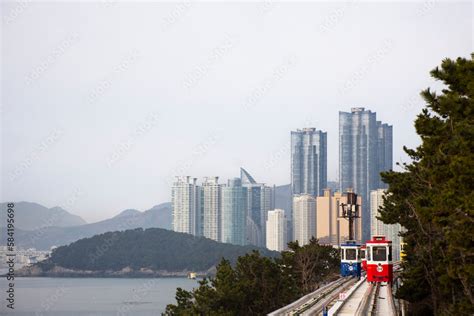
379, 260
363, 258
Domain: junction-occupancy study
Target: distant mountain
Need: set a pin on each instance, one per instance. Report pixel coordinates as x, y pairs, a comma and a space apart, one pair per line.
141, 252
129, 212
31, 216
44, 238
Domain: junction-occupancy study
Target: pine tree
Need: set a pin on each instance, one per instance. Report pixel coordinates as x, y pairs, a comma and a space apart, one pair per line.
434, 198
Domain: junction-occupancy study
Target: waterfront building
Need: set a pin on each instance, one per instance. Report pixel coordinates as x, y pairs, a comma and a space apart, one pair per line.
260, 199
211, 208
234, 211
186, 205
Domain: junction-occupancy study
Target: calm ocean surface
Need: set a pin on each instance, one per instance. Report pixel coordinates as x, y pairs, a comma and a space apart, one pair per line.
92, 296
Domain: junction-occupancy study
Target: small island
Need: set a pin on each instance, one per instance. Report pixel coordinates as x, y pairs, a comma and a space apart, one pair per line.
153, 252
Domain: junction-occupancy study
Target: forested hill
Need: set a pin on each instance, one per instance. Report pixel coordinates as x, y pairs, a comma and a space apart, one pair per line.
151, 249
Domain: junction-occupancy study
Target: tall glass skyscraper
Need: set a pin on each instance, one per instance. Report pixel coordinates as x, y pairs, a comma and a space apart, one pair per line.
234, 210
260, 199
186, 205
365, 149
308, 161
211, 208
385, 149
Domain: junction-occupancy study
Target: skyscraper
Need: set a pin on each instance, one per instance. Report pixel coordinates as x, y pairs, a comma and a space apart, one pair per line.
186, 205
260, 199
276, 230
308, 161
378, 228
234, 210
304, 218
211, 208
385, 150
365, 149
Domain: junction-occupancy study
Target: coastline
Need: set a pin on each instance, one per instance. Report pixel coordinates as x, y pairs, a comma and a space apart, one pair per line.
61, 272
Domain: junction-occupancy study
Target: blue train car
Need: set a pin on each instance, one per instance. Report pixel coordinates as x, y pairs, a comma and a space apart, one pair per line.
350, 259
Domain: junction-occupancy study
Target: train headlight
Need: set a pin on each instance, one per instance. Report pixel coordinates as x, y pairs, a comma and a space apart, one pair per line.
351, 268
379, 268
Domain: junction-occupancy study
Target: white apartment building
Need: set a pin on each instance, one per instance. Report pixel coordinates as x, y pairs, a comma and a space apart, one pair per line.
186, 205
211, 208
304, 218
276, 230
377, 227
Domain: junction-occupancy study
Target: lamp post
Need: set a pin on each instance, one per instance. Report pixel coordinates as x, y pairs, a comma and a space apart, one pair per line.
350, 210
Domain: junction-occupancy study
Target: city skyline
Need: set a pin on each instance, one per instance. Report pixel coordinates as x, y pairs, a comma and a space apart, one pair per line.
235, 212
120, 117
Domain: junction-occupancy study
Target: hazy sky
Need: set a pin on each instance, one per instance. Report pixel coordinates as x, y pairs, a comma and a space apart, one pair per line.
103, 103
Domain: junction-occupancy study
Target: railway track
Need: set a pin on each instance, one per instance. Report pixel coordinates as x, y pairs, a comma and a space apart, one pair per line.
314, 302
384, 304
367, 299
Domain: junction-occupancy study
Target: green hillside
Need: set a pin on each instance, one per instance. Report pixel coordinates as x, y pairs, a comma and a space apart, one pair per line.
154, 248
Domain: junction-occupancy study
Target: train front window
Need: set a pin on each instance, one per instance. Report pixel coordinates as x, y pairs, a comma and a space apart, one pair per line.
362, 253
351, 254
379, 253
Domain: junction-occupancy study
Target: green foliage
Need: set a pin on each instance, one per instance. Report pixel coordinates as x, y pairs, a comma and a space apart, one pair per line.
258, 285
434, 198
154, 248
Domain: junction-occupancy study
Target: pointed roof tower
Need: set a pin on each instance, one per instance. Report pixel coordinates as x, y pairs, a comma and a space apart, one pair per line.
246, 177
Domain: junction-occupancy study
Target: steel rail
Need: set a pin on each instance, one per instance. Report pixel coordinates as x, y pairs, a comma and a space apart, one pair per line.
338, 307
318, 307
309, 299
